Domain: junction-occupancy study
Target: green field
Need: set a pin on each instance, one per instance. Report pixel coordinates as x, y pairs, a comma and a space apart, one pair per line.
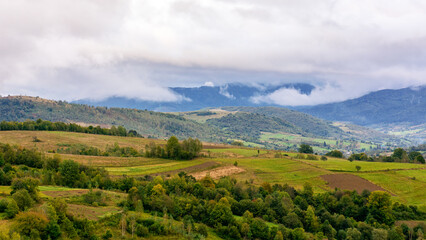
343, 165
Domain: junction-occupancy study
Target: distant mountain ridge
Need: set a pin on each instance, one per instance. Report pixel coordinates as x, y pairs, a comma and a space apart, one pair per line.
407, 105
202, 97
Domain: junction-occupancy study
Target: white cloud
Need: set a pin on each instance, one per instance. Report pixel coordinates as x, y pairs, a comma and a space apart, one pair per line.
357, 46
223, 90
209, 84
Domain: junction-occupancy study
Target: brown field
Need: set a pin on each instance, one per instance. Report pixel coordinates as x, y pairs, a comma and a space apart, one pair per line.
217, 173
350, 182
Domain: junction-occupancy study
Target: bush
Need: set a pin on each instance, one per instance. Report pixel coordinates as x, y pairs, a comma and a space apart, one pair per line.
305, 148
3, 205
23, 199
29, 223
324, 158
157, 229
142, 231
12, 209
335, 153
202, 229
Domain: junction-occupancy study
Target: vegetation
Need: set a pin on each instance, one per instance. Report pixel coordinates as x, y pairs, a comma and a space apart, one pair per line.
41, 125
251, 125
305, 148
274, 198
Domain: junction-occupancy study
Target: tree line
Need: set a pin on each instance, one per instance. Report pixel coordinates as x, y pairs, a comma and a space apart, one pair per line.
41, 125
398, 155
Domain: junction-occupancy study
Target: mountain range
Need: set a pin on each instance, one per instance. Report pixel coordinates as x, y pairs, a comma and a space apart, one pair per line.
270, 127
202, 97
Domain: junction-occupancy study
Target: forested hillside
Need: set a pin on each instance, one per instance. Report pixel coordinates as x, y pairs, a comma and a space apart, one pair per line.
387, 106
307, 124
149, 123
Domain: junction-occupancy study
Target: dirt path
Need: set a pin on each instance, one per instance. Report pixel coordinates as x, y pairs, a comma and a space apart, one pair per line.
189, 169
219, 172
350, 182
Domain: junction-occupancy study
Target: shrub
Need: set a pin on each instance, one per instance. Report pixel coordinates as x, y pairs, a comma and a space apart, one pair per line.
12, 209
30, 223
3, 205
23, 199
142, 231
202, 229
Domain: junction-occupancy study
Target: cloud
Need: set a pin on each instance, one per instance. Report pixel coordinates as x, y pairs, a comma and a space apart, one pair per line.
54, 48
223, 90
209, 84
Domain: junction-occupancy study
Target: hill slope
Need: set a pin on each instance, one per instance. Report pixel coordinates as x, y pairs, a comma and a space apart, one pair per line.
262, 127
383, 107
145, 122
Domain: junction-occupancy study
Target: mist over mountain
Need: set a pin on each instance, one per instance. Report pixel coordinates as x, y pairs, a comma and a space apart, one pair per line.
202, 97
407, 105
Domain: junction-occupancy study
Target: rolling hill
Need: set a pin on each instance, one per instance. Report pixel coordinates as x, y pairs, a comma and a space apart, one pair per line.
261, 127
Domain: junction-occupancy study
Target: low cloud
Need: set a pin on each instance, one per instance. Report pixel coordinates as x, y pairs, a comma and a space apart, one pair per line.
81, 48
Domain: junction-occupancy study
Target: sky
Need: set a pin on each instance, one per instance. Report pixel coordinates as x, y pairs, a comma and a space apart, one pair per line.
95, 49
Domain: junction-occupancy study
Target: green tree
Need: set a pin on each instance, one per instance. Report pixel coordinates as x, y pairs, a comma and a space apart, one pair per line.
12, 209
173, 148
292, 221
29, 223
28, 183
335, 153
69, 171
353, 234
380, 207
400, 154
259, 229
23, 199
358, 168
420, 159
305, 148
279, 236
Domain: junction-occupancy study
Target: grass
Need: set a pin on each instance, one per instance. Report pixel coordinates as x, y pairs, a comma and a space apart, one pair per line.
5, 190
405, 189
244, 152
102, 161
343, 165
279, 170
53, 140
165, 166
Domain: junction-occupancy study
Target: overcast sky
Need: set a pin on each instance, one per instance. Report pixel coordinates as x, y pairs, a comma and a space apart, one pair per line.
74, 49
